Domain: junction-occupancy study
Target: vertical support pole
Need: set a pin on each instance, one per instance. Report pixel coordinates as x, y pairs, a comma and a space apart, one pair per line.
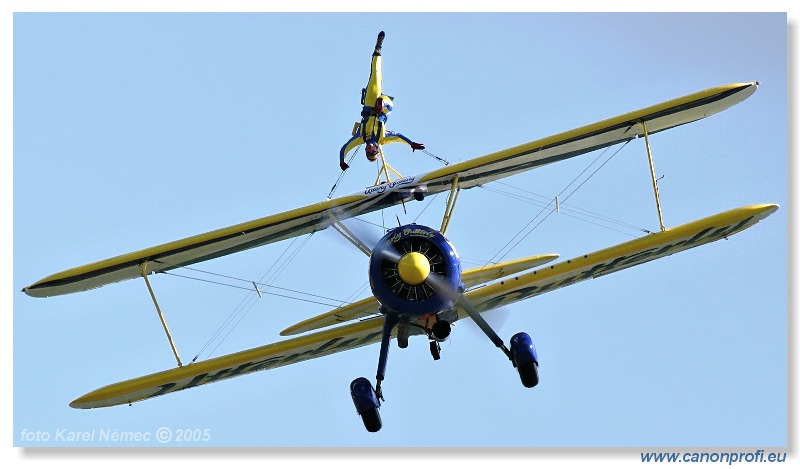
383, 167
653, 177
143, 267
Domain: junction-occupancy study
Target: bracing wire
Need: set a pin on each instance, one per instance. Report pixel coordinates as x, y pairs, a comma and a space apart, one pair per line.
288, 255
265, 285
550, 207
341, 175
353, 154
566, 209
441, 160
432, 199
280, 264
249, 301
280, 270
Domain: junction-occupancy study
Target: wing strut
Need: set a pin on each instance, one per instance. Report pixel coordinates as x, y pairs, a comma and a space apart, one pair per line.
451, 204
653, 176
160, 315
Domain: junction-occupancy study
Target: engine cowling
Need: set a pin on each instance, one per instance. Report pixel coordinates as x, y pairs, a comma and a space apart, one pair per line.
401, 267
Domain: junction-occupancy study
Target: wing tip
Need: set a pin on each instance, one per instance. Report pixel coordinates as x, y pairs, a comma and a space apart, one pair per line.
299, 328
33, 291
80, 403
768, 209
762, 210
303, 326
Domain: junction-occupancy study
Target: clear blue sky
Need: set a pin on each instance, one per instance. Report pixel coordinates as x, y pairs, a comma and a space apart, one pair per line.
135, 129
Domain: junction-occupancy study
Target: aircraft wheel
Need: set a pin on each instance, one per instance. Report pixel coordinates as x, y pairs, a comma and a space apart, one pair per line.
525, 359
367, 402
529, 374
372, 420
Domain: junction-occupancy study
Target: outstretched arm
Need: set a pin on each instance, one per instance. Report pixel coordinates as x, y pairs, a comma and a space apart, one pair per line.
392, 137
352, 143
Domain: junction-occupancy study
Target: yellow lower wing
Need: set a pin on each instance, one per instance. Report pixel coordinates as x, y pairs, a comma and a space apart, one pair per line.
237, 364
500, 270
369, 306
616, 258
365, 332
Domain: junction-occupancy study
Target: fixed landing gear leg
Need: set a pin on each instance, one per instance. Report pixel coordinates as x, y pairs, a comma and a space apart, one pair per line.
389, 321
366, 398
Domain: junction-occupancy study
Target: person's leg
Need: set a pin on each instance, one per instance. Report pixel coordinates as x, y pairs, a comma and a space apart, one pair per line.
375, 76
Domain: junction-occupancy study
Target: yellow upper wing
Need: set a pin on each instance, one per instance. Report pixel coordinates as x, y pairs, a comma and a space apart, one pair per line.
591, 137
365, 332
201, 247
469, 173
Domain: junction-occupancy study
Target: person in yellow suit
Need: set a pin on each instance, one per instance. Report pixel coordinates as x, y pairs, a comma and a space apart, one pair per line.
377, 106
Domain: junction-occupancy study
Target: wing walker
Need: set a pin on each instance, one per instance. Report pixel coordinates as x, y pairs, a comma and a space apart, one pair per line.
416, 278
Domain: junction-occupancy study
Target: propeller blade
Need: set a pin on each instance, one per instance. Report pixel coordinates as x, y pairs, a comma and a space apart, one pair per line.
357, 233
387, 251
496, 318
443, 287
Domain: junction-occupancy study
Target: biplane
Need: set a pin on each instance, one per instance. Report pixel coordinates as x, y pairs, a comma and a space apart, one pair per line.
415, 274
